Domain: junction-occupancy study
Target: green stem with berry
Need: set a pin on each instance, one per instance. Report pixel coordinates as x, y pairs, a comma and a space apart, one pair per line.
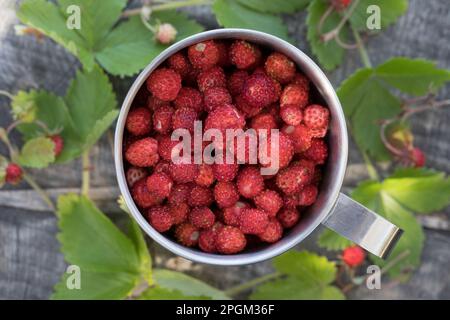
166, 6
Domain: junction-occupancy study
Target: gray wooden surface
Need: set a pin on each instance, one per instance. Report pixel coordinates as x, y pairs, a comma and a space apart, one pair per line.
30, 261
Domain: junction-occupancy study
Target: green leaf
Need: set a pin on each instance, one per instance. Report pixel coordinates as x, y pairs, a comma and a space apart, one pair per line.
3, 166
23, 106
390, 11
416, 77
284, 6
231, 14
329, 53
308, 277
136, 236
37, 153
333, 241
158, 293
109, 263
186, 285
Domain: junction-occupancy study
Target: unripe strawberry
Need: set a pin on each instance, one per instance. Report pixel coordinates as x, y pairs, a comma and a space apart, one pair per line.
165, 33
353, 256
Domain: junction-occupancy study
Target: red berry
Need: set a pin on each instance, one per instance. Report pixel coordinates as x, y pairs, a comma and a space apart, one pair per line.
224, 117
290, 202
13, 174
183, 172
244, 55
316, 116
223, 48
207, 240
180, 63
202, 217
189, 98
230, 240
184, 118
291, 115
59, 144
273, 231
164, 83
253, 221
264, 121
160, 184
250, 182
143, 153
280, 67
231, 214
139, 121
166, 146
236, 82
187, 234
246, 108
134, 174
418, 157
225, 194
179, 194
294, 94
259, 91
205, 176
340, 5
283, 149
308, 195
162, 167
225, 172
162, 119
318, 152
215, 97
291, 179
288, 217
160, 218
179, 212
204, 55
300, 136
353, 256
142, 196
200, 196
269, 201
302, 80
211, 78
154, 103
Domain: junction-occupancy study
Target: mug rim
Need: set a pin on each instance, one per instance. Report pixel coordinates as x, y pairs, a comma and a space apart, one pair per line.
320, 80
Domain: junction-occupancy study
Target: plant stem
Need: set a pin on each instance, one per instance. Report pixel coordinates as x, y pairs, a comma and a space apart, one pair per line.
250, 284
39, 190
6, 94
167, 6
372, 171
86, 177
362, 50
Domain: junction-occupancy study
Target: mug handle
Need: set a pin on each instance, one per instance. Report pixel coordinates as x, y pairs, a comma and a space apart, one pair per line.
363, 226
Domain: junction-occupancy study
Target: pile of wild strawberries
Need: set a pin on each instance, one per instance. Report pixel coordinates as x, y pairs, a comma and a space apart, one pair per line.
227, 84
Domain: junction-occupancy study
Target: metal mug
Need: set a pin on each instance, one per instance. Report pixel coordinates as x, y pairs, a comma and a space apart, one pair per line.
332, 208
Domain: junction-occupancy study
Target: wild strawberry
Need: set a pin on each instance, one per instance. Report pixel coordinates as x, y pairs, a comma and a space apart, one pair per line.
294, 94
269, 201
164, 83
225, 172
291, 115
139, 121
13, 174
202, 217
283, 149
278, 89
184, 118
162, 119
253, 221
236, 82
160, 218
162, 167
244, 55
230, 240
301, 80
224, 48
200, 196
165, 33
353, 256
318, 152
225, 194
246, 108
179, 194
300, 136
308, 195
264, 121
259, 90
183, 172
291, 179
231, 214
224, 117
205, 176
340, 5
244, 147
250, 182
215, 97
418, 157
134, 174
204, 55
142, 196
290, 202
280, 67
207, 240
159, 184
179, 212
211, 78
143, 153
316, 116
288, 217
166, 146
180, 63
273, 231
154, 103
187, 234
59, 144
189, 98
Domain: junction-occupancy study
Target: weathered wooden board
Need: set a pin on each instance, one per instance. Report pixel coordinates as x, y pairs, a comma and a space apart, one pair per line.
30, 262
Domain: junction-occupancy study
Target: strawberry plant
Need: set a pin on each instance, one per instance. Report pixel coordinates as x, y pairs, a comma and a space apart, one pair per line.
378, 102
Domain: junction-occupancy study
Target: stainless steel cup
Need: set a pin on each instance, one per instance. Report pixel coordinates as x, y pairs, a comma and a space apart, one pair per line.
332, 209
